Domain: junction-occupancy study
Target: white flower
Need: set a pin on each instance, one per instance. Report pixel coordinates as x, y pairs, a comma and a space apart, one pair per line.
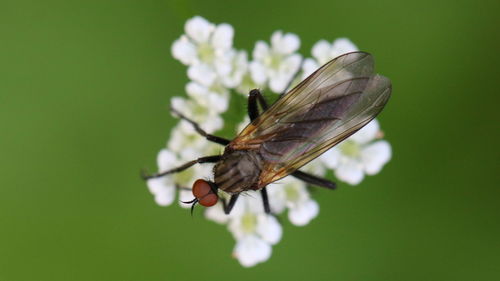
358, 155
207, 49
206, 117
204, 42
251, 250
163, 188
278, 63
292, 193
215, 68
247, 84
254, 230
215, 97
323, 52
232, 68
203, 74
184, 140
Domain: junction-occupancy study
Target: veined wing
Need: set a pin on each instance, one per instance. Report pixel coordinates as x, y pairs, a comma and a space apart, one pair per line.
324, 109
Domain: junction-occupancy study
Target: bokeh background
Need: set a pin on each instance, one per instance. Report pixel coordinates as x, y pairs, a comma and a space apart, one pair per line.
84, 90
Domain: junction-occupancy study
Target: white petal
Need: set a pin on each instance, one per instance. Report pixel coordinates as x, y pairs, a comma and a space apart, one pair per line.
260, 51
216, 214
287, 69
375, 155
165, 159
187, 128
157, 185
258, 72
296, 191
164, 198
184, 51
212, 124
269, 228
236, 225
251, 250
351, 172
199, 29
285, 44
276, 39
196, 90
254, 202
303, 213
367, 133
277, 197
321, 51
342, 46
179, 103
291, 64
331, 158
239, 66
223, 37
223, 64
278, 84
163, 190
188, 153
218, 103
202, 73
308, 67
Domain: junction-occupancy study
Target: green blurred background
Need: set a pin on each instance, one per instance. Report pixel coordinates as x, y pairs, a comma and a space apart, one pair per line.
84, 89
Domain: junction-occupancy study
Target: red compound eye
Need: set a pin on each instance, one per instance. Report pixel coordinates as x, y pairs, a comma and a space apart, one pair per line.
204, 193
208, 200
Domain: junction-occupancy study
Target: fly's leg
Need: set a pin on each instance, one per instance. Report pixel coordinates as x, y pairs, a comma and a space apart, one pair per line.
265, 200
255, 97
206, 159
229, 206
253, 109
199, 130
314, 180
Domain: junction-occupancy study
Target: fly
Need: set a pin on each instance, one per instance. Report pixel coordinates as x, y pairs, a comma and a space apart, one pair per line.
327, 107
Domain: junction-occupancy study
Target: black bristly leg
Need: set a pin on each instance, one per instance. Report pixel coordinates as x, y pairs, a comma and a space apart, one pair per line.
229, 206
200, 131
206, 159
254, 97
314, 180
265, 200
253, 112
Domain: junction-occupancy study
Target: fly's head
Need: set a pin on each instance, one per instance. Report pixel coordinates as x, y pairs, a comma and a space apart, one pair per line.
205, 193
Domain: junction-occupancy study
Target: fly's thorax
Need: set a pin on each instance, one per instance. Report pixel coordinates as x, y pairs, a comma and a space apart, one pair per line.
238, 171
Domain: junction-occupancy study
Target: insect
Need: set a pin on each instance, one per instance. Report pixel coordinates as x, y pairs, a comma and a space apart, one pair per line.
331, 104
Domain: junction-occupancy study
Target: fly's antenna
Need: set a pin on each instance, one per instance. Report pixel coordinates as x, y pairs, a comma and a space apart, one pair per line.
193, 203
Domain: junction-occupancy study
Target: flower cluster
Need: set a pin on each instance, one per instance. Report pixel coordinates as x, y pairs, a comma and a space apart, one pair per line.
216, 71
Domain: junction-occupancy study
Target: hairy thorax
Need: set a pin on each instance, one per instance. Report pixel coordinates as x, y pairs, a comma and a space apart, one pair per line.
238, 171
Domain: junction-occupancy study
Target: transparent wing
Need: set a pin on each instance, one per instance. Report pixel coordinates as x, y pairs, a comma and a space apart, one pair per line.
324, 109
